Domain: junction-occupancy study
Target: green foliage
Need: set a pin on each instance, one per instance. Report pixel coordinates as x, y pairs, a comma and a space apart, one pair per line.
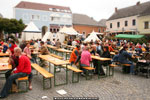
11, 25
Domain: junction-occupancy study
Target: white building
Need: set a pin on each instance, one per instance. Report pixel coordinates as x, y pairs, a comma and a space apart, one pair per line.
125, 20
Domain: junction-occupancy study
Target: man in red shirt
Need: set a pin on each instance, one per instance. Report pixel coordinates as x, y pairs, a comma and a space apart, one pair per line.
23, 69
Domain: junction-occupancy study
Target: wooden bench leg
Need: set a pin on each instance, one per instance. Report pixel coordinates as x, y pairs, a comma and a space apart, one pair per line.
66, 82
44, 79
26, 82
111, 71
73, 75
88, 77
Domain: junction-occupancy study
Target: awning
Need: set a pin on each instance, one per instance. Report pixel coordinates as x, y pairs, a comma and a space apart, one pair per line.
128, 36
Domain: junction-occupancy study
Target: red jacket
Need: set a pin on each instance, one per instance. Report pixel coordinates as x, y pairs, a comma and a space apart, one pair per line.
12, 48
24, 65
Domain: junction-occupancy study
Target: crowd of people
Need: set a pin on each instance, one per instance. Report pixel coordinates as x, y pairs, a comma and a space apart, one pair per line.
20, 56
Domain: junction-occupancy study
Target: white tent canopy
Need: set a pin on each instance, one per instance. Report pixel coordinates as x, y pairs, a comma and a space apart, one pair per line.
31, 32
68, 31
31, 28
92, 36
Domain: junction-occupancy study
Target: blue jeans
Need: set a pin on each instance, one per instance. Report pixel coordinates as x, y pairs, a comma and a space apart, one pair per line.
84, 70
131, 67
6, 89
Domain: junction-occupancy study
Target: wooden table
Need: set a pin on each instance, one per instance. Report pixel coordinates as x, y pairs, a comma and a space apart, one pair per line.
112, 53
4, 54
57, 64
31, 47
51, 48
64, 51
4, 64
101, 59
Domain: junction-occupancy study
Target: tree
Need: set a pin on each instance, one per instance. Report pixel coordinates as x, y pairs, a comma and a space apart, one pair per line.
11, 26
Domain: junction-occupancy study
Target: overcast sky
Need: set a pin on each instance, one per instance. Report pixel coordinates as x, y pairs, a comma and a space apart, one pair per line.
98, 9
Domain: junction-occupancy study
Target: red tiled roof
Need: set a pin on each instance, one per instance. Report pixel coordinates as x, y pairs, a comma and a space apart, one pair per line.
39, 6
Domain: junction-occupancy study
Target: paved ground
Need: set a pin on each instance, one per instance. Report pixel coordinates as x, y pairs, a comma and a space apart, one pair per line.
119, 87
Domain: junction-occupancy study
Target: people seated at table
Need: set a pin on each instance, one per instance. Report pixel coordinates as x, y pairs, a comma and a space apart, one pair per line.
83, 46
124, 58
95, 62
53, 43
13, 45
74, 43
48, 42
74, 54
39, 41
110, 48
1, 42
98, 48
35, 46
43, 51
5, 47
105, 54
23, 69
138, 49
85, 59
58, 43
31, 42
69, 42
147, 48
27, 52
22, 44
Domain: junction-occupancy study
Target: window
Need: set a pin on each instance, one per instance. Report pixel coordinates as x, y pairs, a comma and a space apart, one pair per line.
33, 17
118, 24
99, 30
55, 19
57, 30
126, 23
52, 18
103, 30
146, 25
110, 25
133, 22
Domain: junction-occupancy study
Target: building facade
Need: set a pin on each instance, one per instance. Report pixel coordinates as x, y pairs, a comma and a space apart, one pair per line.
144, 22
83, 24
126, 20
46, 16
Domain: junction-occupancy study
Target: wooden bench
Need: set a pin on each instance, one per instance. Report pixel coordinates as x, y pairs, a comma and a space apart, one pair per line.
87, 73
44, 73
125, 67
74, 70
56, 56
111, 67
23, 79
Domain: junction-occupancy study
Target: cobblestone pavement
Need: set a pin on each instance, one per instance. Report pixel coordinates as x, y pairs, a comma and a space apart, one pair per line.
119, 87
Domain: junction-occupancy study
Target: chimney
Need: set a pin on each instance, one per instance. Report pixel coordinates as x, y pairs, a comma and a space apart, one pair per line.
138, 3
116, 9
